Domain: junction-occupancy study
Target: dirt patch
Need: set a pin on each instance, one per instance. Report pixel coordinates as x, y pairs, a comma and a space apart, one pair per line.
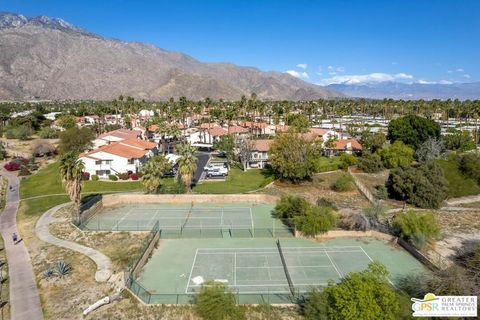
320, 187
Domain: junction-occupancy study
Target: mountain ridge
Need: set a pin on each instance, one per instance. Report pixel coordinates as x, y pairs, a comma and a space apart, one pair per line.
49, 58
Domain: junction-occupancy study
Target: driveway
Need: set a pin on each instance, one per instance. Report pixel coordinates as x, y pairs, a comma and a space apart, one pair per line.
24, 298
202, 160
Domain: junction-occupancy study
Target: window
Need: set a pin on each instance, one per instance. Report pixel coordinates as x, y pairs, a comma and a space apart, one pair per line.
98, 161
131, 161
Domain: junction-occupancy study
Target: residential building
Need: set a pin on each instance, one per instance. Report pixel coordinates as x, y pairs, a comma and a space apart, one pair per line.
118, 157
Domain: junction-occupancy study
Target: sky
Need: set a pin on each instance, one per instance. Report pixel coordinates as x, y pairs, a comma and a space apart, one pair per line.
323, 42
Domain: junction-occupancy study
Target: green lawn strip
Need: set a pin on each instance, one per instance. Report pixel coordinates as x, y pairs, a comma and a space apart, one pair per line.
236, 182
458, 184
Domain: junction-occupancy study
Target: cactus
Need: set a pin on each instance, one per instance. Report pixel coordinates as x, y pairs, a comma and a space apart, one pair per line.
48, 274
62, 268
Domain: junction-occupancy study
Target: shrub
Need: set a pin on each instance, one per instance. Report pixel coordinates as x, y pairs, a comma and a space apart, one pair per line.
381, 192
113, 177
85, 176
21, 132
359, 295
424, 186
396, 155
48, 133
325, 202
417, 227
291, 205
343, 183
134, 176
12, 166
413, 130
123, 176
316, 220
215, 302
24, 171
370, 163
347, 160
469, 164
42, 148
94, 177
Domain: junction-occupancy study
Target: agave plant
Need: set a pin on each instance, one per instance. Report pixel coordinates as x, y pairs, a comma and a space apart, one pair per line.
62, 268
48, 274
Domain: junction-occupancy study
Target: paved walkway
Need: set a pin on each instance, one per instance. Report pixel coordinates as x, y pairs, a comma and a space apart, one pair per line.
24, 298
104, 265
462, 200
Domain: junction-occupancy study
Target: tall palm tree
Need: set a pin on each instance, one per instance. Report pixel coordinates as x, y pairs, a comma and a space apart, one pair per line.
71, 171
153, 171
187, 163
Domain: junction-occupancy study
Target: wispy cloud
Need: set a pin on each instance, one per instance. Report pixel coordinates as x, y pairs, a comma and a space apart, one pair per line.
466, 76
434, 82
459, 70
297, 74
365, 78
302, 66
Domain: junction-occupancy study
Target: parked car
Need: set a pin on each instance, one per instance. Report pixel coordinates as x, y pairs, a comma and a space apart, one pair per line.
215, 165
217, 172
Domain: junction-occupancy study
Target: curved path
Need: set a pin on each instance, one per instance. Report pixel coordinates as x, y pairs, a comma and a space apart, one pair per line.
104, 265
24, 298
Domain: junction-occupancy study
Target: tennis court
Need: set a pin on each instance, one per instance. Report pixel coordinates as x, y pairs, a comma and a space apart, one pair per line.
273, 270
253, 268
191, 220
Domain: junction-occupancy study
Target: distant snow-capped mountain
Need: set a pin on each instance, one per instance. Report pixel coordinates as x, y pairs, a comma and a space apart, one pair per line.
410, 91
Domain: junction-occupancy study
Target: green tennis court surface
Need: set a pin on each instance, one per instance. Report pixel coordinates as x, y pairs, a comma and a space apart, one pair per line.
253, 268
192, 220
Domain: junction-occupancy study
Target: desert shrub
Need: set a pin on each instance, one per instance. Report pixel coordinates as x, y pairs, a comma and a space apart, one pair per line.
417, 227
396, 155
42, 148
24, 171
113, 177
359, 295
381, 192
343, 183
347, 160
48, 133
291, 205
354, 221
123, 176
370, 163
424, 186
325, 202
215, 302
21, 132
315, 220
94, 177
469, 165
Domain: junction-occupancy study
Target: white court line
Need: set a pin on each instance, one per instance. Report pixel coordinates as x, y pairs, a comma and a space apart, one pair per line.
123, 218
191, 271
273, 252
269, 248
281, 267
390, 281
331, 261
267, 285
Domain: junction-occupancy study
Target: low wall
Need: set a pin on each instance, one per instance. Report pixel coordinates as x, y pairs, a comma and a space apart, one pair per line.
364, 190
89, 209
114, 199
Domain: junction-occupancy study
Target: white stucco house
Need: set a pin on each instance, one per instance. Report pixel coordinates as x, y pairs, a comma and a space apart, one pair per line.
116, 136
118, 157
259, 155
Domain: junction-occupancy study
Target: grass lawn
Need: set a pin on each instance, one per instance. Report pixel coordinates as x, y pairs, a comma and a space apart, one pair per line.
237, 182
458, 184
47, 181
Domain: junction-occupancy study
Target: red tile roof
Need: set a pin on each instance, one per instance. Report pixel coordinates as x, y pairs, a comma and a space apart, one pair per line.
262, 145
342, 144
130, 149
217, 131
237, 129
122, 134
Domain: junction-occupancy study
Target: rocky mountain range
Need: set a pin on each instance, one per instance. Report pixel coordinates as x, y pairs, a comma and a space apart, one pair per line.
410, 91
48, 58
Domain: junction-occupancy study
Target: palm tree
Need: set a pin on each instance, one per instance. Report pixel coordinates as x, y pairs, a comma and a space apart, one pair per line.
71, 171
153, 171
187, 164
